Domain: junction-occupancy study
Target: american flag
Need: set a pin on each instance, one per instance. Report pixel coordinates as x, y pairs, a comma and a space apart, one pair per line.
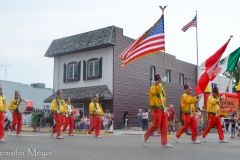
193, 23
150, 42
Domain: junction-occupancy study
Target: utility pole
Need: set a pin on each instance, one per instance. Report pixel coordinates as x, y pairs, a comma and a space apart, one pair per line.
5, 66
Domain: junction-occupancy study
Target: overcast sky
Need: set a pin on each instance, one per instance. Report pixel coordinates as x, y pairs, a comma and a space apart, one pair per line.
28, 28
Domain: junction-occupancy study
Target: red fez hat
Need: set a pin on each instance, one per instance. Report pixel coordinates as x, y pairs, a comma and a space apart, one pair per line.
215, 89
157, 77
186, 86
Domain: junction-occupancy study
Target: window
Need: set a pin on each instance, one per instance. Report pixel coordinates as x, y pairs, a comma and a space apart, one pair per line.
181, 79
92, 69
72, 71
168, 74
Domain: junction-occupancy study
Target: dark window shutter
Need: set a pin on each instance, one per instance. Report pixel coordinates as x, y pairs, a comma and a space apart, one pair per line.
84, 70
64, 73
79, 71
100, 68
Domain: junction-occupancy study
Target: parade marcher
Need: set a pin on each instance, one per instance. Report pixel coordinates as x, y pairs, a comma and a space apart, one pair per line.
96, 114
159, 112
188, 115
68, 118
58, 110
16, 116
3, 111
213, 118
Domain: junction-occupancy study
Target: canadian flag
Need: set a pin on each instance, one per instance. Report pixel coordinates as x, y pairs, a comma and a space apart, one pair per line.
209, 69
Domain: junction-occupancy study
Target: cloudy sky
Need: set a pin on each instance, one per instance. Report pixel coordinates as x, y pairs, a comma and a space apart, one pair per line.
28, 27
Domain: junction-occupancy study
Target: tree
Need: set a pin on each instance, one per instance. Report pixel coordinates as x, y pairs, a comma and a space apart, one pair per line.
236, 76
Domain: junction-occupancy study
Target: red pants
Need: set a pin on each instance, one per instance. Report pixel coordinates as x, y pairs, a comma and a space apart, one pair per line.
213, 120
160, 119
1, 125
58, 119
16, 119
69, 121
188, 122
96, 124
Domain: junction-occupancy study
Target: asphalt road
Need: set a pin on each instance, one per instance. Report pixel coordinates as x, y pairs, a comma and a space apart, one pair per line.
114, 147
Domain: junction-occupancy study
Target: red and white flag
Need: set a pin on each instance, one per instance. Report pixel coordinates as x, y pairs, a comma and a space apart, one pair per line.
209, 69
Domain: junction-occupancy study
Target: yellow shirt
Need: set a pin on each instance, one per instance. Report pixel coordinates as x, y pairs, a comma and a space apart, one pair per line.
93, 109
212, 105
188, 101
157, 97
61, 107
3, 104
13, 104
66, 108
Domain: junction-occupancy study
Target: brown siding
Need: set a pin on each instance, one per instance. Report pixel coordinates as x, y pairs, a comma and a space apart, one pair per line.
131, 84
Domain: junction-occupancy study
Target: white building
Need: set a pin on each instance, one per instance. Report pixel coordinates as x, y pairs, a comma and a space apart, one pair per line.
27, 92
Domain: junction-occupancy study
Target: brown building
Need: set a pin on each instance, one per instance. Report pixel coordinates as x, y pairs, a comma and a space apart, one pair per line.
88, 63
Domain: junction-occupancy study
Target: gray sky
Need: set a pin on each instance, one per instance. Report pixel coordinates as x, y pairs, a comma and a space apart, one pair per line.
28, 28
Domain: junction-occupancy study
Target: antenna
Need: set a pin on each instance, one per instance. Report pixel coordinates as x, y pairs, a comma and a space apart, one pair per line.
5, 66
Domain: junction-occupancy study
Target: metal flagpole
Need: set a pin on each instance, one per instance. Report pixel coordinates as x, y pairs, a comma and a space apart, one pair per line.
197, 44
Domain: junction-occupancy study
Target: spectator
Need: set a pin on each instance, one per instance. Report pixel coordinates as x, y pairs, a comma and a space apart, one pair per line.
111, 124
125, 118
105, 123
145, 120
108, 116
48, 118
171, 119
34, 121
233, 125
39, 121
139, 119
87, 123
199, 121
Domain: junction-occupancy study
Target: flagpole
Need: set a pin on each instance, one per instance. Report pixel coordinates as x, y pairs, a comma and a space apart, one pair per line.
197, 44
163, 8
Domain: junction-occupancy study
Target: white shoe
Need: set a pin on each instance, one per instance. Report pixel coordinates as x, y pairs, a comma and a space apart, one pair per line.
87, 134
60, 137
98, 137
70, 134
175, 137
9, 133
167, 145
18, 135
52, 134
2, 140
196, 142
223, 141
144, 141
202, 139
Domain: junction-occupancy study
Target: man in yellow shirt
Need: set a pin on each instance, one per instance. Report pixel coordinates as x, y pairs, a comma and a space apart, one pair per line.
96, 114
16, 116
2, 114
159, 112
188, 115
58, 110
213, 117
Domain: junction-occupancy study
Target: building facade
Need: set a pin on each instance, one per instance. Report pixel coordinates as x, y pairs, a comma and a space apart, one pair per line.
88, 63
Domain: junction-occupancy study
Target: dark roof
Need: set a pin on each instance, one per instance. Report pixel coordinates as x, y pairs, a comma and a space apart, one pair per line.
82, 42
84, 93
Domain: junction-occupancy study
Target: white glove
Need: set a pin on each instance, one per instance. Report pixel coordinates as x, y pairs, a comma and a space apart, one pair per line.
223, 96
96, 110
58, 111
164, 79
66, 115
5, 116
